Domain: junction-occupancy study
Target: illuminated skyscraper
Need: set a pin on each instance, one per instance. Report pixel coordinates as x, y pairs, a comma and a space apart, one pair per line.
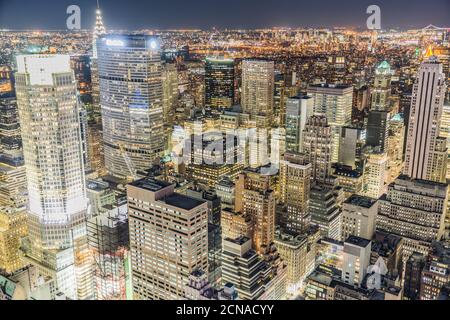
208, 167
13, 226
225, 190
12, 169
350, 180
13, 184
436, 272
168, 239
255, 197
13, 193
358, 217
395, 141
381, 90
443, 54
257, 101
219, 82
334, 101
81, 65
424, 154
351, 146
445, 132
95, 145
375, 174
279, 101
325, 209
10, 140
377, 129
83, 115
299, 253
318, 145
95, 131
257, 87
214, 229
336, 68
99, 30
295, 176
170, 98
255, 276
47, 101
132, 103
298, 110
413, 275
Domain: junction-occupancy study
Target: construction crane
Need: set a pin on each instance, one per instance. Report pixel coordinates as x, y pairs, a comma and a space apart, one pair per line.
128, 162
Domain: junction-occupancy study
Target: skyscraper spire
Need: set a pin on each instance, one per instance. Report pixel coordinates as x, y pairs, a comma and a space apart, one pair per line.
99, 29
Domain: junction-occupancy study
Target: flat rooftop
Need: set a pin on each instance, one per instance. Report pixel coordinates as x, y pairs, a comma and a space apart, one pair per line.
300, 97
360, 242
361, 201
182, 201
264, 170
321, 278
225, 182
327, 240
422, 183
97, 185
150, 184
329, 86
240, 241
289, 238
347, 171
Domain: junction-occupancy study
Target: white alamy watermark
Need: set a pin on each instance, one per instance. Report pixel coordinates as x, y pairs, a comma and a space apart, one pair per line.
374, 20
249, 146
73, 21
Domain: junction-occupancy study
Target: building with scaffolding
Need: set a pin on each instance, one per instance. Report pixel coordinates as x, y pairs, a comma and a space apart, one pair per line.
109, 244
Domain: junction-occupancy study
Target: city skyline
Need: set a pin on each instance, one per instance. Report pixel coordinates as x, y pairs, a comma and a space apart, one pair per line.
245, 164
202, 14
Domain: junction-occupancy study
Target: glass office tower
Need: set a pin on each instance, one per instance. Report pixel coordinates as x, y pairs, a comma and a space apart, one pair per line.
131, 98
219, 82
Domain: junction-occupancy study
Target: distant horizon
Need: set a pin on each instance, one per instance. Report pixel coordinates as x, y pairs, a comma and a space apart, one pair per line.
225, 29
50, 15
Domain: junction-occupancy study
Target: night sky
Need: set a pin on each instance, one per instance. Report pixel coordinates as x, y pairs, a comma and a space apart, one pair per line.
205, 14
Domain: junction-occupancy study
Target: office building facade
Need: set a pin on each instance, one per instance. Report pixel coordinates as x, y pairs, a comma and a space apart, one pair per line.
219, 82
131, 98
415, 210
318, 145
168, 239
422, 145
334, 101
46, 94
